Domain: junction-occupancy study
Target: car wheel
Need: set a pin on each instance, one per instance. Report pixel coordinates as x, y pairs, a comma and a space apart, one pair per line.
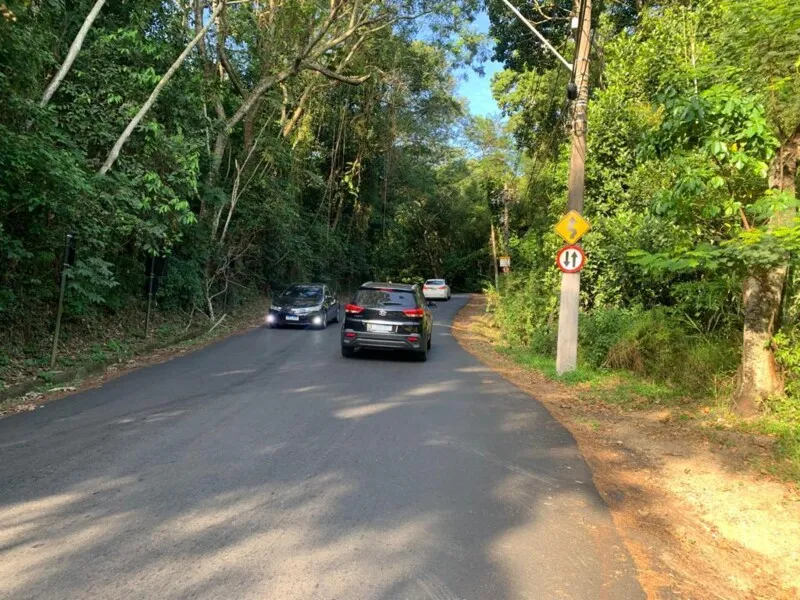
324, 323
429, 343
422, 355
348, 352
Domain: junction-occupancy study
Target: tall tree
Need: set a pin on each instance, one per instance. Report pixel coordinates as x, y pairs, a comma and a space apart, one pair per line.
760, 52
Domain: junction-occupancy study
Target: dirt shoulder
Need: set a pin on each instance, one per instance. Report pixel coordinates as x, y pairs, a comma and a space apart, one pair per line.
42, 388
697, 521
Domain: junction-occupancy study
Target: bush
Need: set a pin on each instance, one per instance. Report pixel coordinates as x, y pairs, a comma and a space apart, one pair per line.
659, 345
525, 311
183, 285
787, 353
601, 330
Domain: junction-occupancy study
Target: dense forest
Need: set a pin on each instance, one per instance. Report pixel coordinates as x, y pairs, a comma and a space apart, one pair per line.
691, 166
253, 143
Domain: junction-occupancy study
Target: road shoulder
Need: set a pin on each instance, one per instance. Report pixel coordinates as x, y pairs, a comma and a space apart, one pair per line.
696, 526
38, 391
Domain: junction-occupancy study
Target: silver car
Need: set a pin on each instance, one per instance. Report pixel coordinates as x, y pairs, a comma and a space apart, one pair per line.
436, 289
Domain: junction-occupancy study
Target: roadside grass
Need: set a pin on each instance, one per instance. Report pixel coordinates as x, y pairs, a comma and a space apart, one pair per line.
118, 342
612, 386
710, 414
781, 421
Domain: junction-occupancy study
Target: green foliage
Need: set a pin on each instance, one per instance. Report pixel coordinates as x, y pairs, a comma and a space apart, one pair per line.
603, 330
366, 182
787, 353
689, 105
660, 347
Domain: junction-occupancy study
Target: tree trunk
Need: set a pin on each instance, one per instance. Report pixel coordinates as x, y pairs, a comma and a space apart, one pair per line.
114, 154
249, 125
759, 375
73, 53
225, 130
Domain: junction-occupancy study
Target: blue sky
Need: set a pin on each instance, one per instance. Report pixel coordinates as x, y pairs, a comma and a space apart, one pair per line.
475, 88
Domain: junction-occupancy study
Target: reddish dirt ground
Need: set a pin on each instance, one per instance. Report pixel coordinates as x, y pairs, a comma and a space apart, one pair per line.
699, 522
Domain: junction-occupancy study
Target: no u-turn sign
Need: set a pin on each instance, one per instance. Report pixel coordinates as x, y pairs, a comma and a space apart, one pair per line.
571, 259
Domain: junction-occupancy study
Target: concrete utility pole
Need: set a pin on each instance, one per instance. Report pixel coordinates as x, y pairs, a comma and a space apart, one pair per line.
567, 350
506, 222
494, 257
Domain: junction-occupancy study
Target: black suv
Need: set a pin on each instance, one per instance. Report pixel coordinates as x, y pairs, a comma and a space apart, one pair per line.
388, 316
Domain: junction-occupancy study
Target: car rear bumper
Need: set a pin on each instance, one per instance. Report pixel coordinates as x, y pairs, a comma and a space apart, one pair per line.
382, 341
435, 294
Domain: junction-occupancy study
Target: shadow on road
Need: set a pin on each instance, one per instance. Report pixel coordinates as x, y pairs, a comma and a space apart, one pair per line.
260, 470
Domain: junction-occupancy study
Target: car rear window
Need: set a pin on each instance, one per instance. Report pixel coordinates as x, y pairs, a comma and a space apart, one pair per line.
435, 282
375, 298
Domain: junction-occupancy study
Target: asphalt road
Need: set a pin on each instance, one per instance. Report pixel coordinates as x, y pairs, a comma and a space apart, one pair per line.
267, 466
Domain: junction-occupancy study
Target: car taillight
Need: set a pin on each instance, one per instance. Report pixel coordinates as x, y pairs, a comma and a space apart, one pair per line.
350, 335
413, 338
353, 309
414, 312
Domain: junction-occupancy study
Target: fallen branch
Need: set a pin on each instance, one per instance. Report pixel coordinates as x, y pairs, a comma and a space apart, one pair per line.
221, 319
191, 316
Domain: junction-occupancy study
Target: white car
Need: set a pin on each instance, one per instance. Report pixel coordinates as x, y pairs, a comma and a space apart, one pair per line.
436, 289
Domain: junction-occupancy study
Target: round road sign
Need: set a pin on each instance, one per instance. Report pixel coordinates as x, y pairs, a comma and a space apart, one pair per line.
571, 259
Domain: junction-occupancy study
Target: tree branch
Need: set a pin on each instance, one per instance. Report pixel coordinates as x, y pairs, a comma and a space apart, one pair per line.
114, 154
73, 53
289, 125
231, 71
334, 75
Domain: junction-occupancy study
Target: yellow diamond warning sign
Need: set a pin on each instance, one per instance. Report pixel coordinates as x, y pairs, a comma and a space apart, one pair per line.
572, 227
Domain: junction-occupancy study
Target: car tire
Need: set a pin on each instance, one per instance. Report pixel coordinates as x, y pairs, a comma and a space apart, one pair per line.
429, 342
422, 355
336, 317
348, 352
324, 323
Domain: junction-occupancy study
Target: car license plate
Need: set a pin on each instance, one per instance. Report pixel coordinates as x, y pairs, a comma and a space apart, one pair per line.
379, 328
292, 318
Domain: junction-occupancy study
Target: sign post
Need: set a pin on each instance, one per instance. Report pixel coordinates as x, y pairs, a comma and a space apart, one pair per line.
156, 268
505, 263
570, 260
567, 349
69, 260
149, 297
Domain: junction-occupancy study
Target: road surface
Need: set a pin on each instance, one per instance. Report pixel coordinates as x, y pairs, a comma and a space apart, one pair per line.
267, 466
